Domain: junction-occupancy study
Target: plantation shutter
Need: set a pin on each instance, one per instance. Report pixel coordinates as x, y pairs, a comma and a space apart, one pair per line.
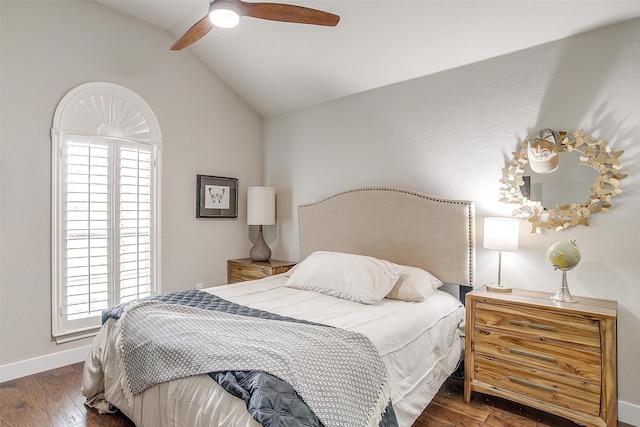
87, 245
135, 223
107, 211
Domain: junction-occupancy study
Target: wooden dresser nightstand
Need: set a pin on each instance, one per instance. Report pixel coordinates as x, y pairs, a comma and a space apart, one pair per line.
240, 270
557, 357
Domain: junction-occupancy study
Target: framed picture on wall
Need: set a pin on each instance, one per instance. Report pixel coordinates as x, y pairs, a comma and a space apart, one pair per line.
216, 197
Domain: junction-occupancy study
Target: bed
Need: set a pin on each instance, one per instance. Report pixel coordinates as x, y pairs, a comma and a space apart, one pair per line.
420, 343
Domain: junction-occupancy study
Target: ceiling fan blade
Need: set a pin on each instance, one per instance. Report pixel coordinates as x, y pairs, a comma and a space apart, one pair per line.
288, 13
193, 34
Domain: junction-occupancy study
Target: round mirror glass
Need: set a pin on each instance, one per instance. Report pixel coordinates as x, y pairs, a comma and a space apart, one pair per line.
570, 182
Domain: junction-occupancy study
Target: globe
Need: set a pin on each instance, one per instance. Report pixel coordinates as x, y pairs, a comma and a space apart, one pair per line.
564, 255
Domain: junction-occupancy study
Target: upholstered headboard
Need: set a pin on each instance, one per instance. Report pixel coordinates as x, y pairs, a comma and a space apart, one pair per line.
401, 226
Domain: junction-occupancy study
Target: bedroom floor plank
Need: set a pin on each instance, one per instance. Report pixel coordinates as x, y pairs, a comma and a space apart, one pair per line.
449, 417
474, 411
53, 399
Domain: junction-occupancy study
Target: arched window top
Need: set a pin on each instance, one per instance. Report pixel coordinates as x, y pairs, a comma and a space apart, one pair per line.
108, 110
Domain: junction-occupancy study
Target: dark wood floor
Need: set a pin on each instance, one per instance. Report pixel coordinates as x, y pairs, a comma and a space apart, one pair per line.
53, 399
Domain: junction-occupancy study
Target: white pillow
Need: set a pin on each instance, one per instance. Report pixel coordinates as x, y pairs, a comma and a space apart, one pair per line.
414, 284
357, 278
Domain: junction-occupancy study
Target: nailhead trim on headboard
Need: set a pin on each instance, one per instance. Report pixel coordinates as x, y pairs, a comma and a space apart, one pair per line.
470, 215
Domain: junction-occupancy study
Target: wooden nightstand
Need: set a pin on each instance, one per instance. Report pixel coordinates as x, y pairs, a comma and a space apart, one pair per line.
557, 357
240, 270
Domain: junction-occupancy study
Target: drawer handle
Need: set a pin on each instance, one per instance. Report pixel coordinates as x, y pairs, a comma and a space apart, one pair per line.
532, 325
530, 384
534, 355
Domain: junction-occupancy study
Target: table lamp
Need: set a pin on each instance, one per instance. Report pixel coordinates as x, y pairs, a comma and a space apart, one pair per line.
501, 234
261, 210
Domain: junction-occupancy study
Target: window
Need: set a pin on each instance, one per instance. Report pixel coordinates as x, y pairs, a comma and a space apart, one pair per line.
105, 236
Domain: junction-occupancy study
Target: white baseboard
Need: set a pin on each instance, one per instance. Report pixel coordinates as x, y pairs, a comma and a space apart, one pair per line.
629, 413
23, 368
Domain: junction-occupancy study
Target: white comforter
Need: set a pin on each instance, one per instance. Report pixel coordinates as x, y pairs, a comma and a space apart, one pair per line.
420, 343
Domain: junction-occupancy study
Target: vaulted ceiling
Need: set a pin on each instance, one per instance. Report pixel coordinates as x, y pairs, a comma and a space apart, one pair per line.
278, 67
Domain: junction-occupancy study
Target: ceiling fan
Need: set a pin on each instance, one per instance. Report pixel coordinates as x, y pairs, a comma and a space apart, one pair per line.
227, 13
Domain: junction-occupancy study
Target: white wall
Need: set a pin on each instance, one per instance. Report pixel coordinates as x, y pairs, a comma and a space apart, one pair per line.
450, 135
48, 48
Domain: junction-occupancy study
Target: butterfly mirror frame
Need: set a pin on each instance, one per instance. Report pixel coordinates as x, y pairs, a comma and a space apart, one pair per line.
596, 154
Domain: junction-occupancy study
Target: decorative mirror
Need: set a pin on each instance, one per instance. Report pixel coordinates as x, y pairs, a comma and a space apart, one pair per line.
548, 173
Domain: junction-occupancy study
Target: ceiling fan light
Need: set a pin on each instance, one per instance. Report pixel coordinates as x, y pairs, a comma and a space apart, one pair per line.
224, 14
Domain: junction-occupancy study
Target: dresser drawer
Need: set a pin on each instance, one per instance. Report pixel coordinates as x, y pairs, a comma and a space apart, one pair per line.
242, 275
520, 350
556, 389
537, 324
240, 270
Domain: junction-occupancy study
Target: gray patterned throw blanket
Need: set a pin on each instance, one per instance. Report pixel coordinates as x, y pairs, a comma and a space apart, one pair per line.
339, 374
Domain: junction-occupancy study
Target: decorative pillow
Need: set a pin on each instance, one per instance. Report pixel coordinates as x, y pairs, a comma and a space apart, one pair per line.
357, 278
414, 284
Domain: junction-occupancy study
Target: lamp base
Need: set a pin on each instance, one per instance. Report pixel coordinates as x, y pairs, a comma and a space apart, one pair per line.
498, 288
260, 251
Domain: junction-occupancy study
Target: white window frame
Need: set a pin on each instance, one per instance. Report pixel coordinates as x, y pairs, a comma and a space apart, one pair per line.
113, 116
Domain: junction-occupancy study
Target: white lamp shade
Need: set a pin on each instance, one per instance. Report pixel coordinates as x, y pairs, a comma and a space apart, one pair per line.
501, 234
261, 206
